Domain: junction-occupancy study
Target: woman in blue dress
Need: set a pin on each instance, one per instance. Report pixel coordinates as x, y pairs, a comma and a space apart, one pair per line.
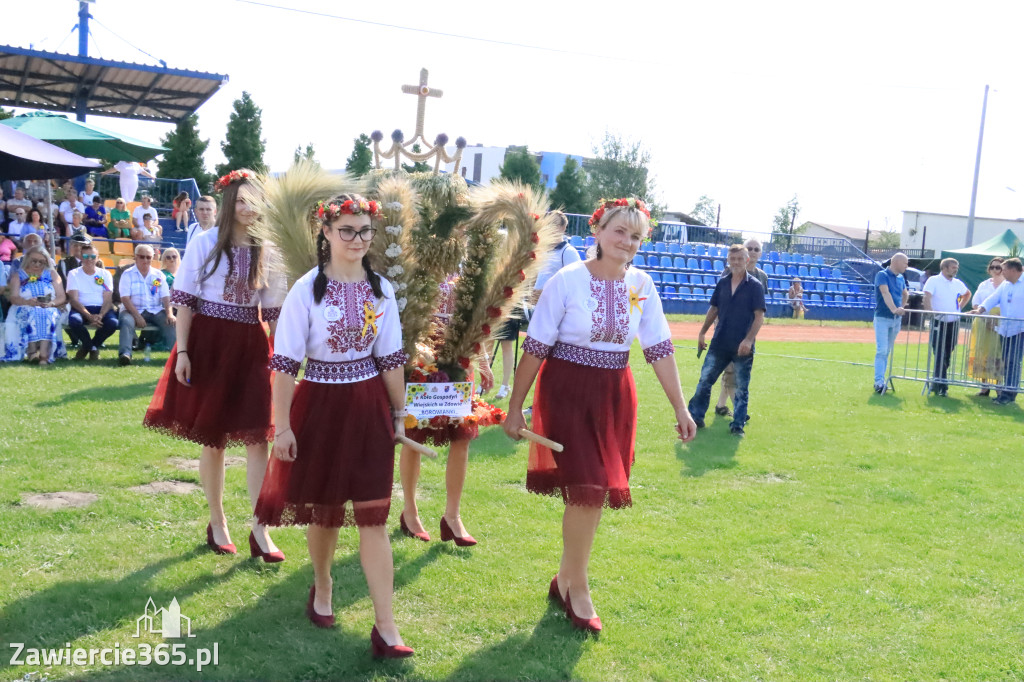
33, 331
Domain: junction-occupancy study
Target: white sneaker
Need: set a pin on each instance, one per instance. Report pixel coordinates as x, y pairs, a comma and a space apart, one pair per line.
502, 392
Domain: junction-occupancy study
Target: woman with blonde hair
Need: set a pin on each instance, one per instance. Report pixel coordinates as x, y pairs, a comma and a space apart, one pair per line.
33, 330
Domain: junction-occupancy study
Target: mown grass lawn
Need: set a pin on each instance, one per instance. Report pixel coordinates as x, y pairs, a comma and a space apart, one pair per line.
849, 536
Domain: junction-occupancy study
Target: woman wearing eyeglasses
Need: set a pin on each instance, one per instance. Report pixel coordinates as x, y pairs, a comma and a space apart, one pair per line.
985, 363
215, 389
33, 330
120, 225
334, 434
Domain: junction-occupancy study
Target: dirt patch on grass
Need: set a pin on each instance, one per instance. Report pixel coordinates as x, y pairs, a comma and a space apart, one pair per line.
185, 464
687, 331
166, 487
60, 500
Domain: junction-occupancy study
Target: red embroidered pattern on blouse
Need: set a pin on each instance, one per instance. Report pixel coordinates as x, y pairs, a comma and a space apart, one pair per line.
392, 360
603, 359
271, 314
235, 313
183, 299
659, 350
280, 363
610, 319
339, 372
536, 348
236, 284
346, 333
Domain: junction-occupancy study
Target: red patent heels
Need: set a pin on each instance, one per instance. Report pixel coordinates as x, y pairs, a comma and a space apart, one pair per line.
447, 535
554, 595
314, 617
382, 649
592, 625
424, 536
258, 553
219, 549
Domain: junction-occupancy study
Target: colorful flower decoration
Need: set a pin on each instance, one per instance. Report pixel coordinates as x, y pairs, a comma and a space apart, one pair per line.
231, 178
607, 204
328, 212
100, 281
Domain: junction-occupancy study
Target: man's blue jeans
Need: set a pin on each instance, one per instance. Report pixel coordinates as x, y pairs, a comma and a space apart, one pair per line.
886, 330
1013, 353
714, 364
79, 331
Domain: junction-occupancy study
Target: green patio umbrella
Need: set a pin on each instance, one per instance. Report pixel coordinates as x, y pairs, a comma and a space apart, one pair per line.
83, 139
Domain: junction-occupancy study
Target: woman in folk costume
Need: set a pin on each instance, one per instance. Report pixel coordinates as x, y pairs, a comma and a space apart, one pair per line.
334, 434
580, 334
215, 388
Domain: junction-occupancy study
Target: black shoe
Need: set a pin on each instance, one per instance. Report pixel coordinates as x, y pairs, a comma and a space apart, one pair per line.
942, 392
879, 388
124, 360
737, 431
983, 393
723, 411
1002, 400
699, 423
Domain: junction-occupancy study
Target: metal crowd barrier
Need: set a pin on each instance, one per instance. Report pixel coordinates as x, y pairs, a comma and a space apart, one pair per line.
948, 349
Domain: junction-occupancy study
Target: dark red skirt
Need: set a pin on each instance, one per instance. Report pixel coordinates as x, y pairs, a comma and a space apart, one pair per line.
345, 453
592, 412
228, 401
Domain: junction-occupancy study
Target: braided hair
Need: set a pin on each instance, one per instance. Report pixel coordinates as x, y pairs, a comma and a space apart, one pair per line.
323, 256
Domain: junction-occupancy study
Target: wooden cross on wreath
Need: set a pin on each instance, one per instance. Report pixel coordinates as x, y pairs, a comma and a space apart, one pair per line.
423, 92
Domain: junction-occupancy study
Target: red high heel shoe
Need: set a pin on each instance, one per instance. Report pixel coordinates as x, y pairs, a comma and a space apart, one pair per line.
268, 557
314, 617
382, 649
219, 549
424, 536
447, 535
586, 624
554, 594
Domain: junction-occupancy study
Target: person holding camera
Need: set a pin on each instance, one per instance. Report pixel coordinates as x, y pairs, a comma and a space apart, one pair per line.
33, 329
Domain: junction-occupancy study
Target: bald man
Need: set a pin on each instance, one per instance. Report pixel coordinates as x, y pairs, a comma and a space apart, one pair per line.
890, 287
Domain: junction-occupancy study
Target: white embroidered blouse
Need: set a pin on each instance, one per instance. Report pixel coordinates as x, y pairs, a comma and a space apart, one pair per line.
226, 292
593, 322
350, 335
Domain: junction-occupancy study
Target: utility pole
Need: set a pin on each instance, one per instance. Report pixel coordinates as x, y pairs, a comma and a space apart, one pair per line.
867, 237
977, 168
81, 100
718, 218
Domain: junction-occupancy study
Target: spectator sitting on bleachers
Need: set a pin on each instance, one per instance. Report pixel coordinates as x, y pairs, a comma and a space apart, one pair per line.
120, 226
96, 218
150, 230
16, 228
89, 195
27, 242
145, 299
170, 260
69, 207
795, 297
74, 258
33, 330
35, 225
206, 217
182, 209
145, 208
90, 291
728, 391
19, 201
7, 248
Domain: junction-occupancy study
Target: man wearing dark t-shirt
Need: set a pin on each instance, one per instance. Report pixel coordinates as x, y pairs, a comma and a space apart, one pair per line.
738, 305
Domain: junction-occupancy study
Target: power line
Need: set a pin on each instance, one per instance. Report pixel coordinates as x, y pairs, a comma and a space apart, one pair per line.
436, 33
124, 40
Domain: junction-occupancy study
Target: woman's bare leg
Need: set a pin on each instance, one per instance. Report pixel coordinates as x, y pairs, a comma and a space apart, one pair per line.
409, 472
379, 569
454, 481
211, 477
322, 542
579, 526
256, 460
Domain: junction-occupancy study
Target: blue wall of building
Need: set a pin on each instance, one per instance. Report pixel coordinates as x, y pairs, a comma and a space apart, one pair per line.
551, 164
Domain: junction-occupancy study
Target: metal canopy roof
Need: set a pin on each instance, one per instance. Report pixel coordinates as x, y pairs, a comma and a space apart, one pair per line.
48, 80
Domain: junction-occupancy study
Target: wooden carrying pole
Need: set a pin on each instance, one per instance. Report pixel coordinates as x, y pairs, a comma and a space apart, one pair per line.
540, 440
422, 449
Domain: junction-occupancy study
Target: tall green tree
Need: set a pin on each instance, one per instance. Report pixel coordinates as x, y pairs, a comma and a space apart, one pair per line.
360, 161
184, 155
705, 210
308, 154
885, 240
571, 189
620, 169
243, 145
784, 221
521, 165
418, 166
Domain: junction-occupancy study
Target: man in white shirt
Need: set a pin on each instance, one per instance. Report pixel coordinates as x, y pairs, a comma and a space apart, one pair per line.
69, 206
150, 230
88, 195
945, 293
145, 299
17, 227
90, 292
145, 208
206, 216
1010, 299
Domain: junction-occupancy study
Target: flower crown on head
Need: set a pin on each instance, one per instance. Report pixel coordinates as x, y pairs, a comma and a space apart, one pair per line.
607, 204
232, 177
328, 211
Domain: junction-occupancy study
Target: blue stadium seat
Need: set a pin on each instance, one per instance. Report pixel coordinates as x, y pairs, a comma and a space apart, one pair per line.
815, 299
656, 276
837, 273
693, 279
819, 286
589, 241
638, 260
778, 296
710, 281
826, 272
646, 247
768, 269
700, 249
668, 278
679, 263
583, 253
802, 271
819, 260
786, 257
660, 247
668, 292
841, 299
832, 287
698, 294
829, 299
773, 256
674, 249
684, 291
705, 265
691, 264
652, 261
814, 272
576, 240
666, 262
792, 271
688, 249
844, 287
718, 266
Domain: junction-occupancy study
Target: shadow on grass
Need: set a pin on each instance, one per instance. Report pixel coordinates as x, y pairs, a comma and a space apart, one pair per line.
493, 443
713, 448
269, 636
550, 652
889, 400
104, 394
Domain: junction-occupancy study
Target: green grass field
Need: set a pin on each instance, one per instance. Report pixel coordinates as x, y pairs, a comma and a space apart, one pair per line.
849, 536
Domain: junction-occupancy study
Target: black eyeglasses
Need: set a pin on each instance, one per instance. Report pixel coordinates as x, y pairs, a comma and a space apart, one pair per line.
997, 268
347, 234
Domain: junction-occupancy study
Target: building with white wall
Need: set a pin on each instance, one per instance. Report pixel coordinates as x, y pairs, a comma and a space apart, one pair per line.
482, 164
943, 231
